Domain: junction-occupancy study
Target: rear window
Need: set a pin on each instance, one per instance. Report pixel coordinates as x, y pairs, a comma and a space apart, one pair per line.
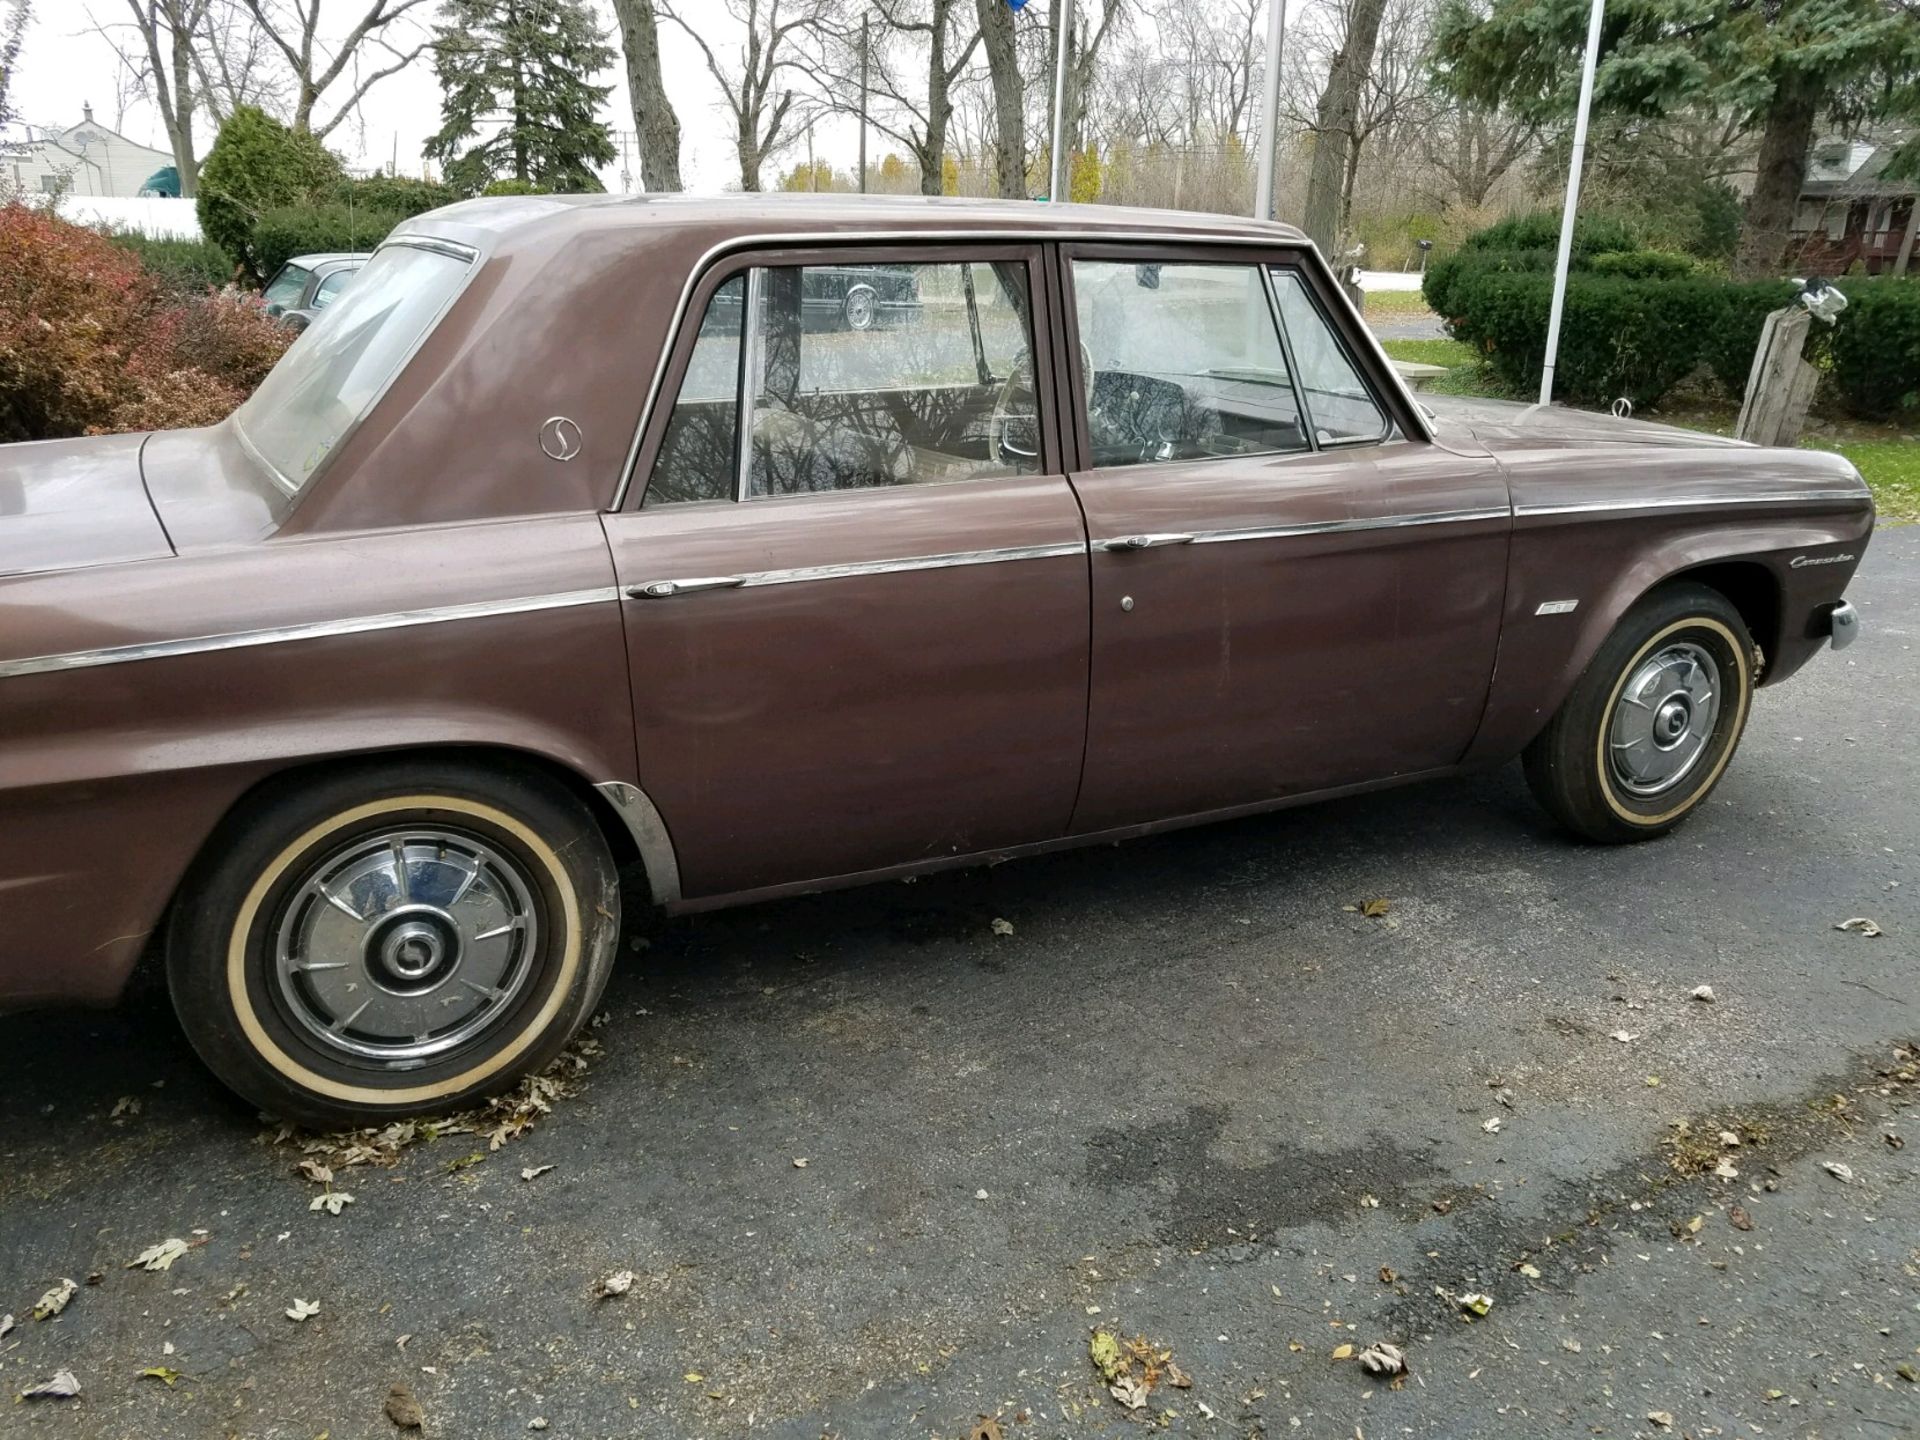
330, 377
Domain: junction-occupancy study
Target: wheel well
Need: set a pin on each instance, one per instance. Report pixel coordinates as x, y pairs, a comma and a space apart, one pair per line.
1752, 590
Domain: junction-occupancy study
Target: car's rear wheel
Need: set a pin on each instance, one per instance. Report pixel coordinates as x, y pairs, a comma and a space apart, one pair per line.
861, 307
1649, 727
392, 939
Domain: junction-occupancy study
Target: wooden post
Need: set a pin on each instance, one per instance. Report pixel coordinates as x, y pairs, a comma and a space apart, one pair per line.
1780, 385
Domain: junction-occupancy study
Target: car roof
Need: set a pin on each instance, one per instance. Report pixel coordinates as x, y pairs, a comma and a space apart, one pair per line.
502, 224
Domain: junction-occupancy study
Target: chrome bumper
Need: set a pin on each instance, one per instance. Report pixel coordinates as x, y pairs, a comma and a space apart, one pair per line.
1843, 625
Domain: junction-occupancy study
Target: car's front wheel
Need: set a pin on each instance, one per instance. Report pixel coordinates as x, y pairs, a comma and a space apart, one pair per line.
1650, 726
393, 939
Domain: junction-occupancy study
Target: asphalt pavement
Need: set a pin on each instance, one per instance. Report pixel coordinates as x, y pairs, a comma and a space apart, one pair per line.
1192, 1098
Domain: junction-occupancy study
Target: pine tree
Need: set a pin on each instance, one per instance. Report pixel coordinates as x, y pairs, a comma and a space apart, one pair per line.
517, 99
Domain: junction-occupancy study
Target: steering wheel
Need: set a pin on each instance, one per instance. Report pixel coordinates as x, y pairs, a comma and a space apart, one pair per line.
1020, 379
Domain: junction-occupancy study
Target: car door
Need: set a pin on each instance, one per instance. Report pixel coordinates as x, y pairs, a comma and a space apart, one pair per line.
856, 603
1293, 590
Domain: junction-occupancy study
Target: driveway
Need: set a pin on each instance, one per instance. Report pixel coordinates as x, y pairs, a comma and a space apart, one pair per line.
1192, 1096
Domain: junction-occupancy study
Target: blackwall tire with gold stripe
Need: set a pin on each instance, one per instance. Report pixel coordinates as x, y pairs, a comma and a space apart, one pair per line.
393, 938
1652, 723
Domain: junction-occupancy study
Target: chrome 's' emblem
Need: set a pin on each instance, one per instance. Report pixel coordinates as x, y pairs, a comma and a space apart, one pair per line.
560, 438
1800, 562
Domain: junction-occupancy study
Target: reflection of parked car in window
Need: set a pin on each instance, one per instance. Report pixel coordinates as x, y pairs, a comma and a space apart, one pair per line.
307, 284
857, 297
571, 538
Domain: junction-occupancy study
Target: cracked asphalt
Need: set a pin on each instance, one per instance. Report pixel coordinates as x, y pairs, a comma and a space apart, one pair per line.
1190, 1097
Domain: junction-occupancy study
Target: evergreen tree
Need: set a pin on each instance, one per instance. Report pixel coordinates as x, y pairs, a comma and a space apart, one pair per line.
1774, 66
517, 102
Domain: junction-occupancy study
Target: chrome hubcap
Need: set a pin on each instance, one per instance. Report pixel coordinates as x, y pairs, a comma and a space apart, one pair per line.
405, 944
860, 308
1664, 719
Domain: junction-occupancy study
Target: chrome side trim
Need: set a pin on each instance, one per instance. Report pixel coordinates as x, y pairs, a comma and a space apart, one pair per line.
642, 819
310, 630
1032, 235
1338, 527
663, 589
1690, 502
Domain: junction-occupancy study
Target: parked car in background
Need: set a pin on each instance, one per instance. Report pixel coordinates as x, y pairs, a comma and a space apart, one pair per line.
567, 542
307, 284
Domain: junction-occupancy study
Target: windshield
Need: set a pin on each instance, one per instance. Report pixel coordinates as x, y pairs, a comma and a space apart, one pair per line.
334, 372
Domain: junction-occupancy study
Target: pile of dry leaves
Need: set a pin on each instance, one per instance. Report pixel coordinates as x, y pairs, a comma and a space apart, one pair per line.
1132, 1368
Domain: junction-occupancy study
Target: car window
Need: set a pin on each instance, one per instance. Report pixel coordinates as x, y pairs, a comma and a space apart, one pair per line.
285, 289
1181, 362
1343, 410
334, 372
866, 376
697, 459
330, 287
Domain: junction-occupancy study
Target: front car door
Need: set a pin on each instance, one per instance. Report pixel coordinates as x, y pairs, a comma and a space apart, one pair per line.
854, 574
1293, 589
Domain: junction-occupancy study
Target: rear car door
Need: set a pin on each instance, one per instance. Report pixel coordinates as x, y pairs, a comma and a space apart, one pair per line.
853, 572
1293, 590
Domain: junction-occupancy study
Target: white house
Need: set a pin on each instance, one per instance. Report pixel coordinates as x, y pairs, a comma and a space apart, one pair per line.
86, 159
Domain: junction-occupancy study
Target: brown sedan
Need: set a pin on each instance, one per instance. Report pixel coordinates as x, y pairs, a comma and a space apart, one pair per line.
565, 541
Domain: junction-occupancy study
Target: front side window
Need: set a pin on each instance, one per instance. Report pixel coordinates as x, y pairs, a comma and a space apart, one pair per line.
330, 377
283, 292
1181, 362
1343, 410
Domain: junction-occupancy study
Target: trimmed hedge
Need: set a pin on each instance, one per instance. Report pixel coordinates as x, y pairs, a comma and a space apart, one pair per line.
279, 235
186, 267
1638, 322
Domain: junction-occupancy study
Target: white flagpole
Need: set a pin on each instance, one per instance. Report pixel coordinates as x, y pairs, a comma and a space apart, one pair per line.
1059, 182
1270, 110
1573, 200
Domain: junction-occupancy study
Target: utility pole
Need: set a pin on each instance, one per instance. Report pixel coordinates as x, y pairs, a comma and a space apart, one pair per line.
1058, 181
863, 104
1573, 201
1270, 110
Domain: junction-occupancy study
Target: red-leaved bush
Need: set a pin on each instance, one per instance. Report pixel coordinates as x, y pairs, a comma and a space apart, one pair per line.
90, 343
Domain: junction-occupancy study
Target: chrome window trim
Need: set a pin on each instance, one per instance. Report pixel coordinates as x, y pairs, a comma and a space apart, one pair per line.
746, 390
308, 630
1338, 442
947, 560
834, 239
1686, 502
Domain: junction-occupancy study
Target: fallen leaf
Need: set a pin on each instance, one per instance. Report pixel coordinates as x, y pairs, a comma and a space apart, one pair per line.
61, 1387
6, 1324
158, 1257
1726, 1170
166, 1374
981, 1195
1374, 909
1178, 1378
125, 1105
1661, 1418
54, 1301
1369, 1202
1860, 924
301, 1309
1528, 1269
1381, 1358
693, 1377
1653, 1082
1387, 1275
1841, 1172
316, 1171
534, 1172
987, 1429
1107, 1356
1893, 1140
799, 1162
1343, 1352
333, 1202
403, 1410
1479, 1304
1907, 1373
1003, 927
1729, 1140
1130, 1392
538, 1422
1739, 1218
1570, 1345
1703, 993
1492, 1127
618, 1283
1625, 1037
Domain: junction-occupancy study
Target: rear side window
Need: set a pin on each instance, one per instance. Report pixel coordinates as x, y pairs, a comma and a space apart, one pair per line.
1344, 412
330, 288
858, 376
1181, 362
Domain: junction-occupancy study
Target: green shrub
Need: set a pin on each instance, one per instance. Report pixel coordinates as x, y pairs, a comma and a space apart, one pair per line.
395, 194
186, 267
511, 185
281, 234
1876, 349
1592, 234
1642, 264
1728, 345
257, 165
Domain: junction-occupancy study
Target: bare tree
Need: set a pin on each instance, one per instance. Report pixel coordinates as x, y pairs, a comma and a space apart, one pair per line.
1084, 60
761, 103
653, 118
294, 26
1470, 150
998, 39
14, 20
233, 59
167, 31
1334, 120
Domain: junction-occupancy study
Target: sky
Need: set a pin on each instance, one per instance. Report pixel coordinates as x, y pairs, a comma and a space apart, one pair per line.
65, 63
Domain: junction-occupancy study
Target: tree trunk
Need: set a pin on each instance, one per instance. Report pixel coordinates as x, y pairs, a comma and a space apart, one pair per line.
1333, 124
1782, 170
933, 152
653, 117
748, 145
180, 127
1009, 97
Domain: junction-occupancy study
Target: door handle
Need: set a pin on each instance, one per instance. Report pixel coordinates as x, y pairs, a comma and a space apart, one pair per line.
1145, 542
661, 589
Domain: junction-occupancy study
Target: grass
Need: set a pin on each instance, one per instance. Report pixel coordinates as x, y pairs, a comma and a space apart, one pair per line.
1886, 457
1395, 305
